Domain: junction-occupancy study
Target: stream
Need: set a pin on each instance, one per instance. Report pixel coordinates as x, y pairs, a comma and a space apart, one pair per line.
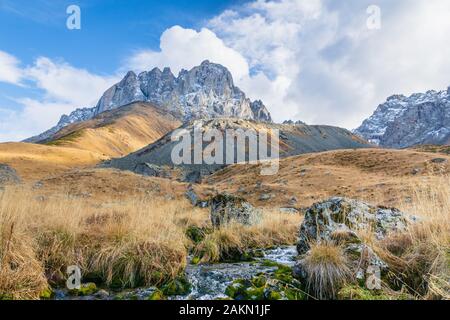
209, 281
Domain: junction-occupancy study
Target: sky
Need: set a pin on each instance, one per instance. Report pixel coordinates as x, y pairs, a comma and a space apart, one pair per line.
320, 61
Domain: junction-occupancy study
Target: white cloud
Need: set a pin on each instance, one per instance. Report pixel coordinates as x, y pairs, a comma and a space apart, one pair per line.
63, 82
64, 88
9, 68
185, 48
318, 62
313, 60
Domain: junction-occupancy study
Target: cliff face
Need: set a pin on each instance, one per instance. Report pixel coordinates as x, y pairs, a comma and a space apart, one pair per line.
206, 91
422, 118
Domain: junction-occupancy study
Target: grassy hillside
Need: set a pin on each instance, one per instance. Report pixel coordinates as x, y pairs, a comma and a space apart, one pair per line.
117, 133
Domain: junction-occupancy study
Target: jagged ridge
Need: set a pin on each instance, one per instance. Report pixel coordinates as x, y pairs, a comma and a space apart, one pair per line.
422, 118
206, 91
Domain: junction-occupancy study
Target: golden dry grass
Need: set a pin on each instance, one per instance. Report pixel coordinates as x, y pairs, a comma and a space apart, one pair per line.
234, 239
420, 258
134, 242
127, 242
327, 269
118, 132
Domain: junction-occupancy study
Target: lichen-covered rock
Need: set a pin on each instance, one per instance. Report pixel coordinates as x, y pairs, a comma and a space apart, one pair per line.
340, 218
338, 221
150, 170
194, 198
227, 208
8, 175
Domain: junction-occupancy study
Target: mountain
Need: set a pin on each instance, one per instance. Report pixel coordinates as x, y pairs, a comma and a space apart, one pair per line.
78, 115
205, 91
117, 132
294, 140
422, 118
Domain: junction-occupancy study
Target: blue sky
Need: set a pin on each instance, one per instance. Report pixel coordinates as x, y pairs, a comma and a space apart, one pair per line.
313, 60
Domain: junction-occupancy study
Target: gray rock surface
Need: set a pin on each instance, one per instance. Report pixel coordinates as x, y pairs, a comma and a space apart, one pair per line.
226, 208
330, 219
78, 115
8, 175
337, 221
205, 91
422, 118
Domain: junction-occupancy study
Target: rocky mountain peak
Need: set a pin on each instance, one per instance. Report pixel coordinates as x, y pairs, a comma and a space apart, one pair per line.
205, 91
422, 118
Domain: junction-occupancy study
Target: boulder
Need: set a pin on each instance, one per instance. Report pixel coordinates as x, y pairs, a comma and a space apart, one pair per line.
338, 220
150, 170
8, 175
194, 199
339, 216
226, 208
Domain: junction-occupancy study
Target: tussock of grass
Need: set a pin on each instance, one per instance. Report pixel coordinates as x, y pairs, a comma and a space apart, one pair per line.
127, 243
419, 259
21, 273
327, 270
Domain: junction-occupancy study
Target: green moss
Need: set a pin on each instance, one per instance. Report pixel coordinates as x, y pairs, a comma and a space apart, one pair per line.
294, 294
259, 281
237, 288
46, 294
86, 289
196, 234
179, 286
195, 260
6, 297
157, 295
254, 293
354, 292
274, 295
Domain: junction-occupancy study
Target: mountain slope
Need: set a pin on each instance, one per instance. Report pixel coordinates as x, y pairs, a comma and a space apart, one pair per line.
118, 132
294, 139
34, 161
422, 118
379, 175
205, 91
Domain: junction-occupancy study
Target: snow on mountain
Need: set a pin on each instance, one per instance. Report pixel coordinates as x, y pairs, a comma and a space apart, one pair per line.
422, 118
78, 115
206, 91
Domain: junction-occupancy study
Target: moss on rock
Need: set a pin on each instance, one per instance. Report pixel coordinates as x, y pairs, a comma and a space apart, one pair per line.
178, 286
85, 289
